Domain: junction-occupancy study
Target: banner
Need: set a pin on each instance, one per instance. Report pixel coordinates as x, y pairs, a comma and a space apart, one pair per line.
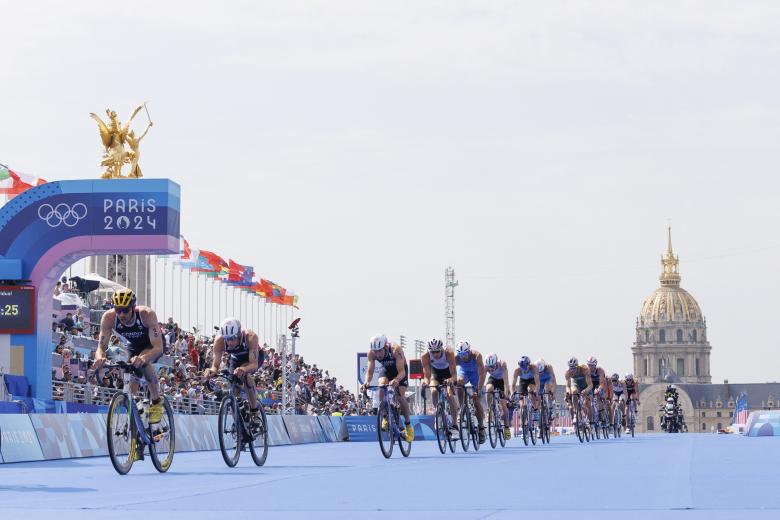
327, 428
277, 433
304, 429
362, 368
19, 442
64, 436
195, 432
363, 428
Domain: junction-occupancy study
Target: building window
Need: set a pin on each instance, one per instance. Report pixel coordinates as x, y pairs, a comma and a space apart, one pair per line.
704, 414
646, 367
720, 426
662, 336
694, 340
703, 427
679, 336
717, 414
680, 367
647, 336
650, 423
697, 359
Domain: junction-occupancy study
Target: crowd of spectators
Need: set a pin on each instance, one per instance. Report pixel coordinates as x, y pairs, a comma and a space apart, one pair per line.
187, 355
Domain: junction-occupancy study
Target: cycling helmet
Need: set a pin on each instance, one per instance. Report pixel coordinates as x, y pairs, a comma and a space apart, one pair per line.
435, 345
540, 365
592, 361
573, 362
463, 349
491, 361
524, 362
230, 328
629, 377
615, 377
123, 298
378, 342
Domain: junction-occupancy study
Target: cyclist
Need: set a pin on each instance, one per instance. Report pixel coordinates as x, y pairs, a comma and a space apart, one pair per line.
137, 327
438, 365
547, 382
578, 382
599, 379
497, 372
618, 399
529, 380
632, 392
246, 356
471, 369
390, 363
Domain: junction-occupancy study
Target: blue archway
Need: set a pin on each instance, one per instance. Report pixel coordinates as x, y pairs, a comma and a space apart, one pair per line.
48, 227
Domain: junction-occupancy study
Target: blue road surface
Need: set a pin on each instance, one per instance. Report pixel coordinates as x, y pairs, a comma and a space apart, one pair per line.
688, 476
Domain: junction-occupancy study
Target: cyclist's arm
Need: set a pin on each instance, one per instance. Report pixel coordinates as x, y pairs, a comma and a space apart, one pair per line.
254, 352
426, 366
219, 349
515, 374
400, 363
567, 376
553, 383
453, 365
370, 368
539, 391
106, 329
155, 335
588, 382
481, 372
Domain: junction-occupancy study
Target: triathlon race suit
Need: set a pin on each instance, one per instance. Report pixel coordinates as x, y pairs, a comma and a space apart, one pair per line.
469, 371
526, 380
239, 355
135, 336
440, 367
630, 389
596, 379
386, 368
578, 377
617, 390
496, 378
544, 377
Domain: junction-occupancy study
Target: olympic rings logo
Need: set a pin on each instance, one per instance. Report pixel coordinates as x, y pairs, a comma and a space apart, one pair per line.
62, 214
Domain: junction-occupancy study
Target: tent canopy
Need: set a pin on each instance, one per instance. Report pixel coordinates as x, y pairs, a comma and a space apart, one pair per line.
106, 285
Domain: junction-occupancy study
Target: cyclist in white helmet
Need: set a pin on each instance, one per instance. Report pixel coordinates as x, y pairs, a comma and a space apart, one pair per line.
390, 363
599, 379
497, 377
471, 369
578, 382
246, 356
547, 383
438, 364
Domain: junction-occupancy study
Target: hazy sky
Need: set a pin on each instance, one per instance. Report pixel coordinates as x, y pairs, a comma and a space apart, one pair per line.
353, 150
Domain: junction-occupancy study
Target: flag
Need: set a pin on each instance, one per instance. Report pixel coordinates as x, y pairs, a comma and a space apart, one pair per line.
209, 263
240, 274
13, 183
741, 411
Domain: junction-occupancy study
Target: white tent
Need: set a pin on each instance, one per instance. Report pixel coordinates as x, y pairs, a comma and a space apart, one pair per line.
70, 299
106, 285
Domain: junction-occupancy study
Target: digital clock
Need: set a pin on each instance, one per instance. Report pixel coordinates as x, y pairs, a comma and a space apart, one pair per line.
17, 309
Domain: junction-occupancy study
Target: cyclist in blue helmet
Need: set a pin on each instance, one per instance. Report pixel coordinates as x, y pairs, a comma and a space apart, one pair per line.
471, 369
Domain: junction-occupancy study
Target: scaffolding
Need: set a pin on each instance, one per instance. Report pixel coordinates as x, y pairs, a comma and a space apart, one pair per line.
449, 305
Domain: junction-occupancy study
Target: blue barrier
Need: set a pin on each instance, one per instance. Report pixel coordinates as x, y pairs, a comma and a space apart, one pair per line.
19, 441
339, 426
70, 436
302, 429
362, 428
277, 433
327, 428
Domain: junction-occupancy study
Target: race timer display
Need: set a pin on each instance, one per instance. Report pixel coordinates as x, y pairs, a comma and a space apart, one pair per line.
17, 309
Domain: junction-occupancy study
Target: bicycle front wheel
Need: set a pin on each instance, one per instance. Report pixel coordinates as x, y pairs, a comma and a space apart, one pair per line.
120, 434
579, 426
404, 444
384, 430
163, 435
493, 426
464, 424
441, 429
259, 445
229, 429
524, 424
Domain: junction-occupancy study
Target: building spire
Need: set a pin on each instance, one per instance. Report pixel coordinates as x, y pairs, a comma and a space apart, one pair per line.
671, 265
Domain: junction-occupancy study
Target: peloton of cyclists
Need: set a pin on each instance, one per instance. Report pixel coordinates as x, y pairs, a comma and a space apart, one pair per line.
439, 367
390, 363
471, 369
497, 374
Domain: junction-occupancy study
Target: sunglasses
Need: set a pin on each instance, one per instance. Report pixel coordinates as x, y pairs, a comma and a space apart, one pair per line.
123, 310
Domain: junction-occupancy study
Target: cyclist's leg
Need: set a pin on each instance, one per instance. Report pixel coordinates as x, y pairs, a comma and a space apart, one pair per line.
403, 402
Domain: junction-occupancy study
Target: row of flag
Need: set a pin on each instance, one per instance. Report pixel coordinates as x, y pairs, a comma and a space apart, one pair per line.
235, 274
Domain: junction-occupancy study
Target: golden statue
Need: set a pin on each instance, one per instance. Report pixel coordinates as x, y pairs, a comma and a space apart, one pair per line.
114, 137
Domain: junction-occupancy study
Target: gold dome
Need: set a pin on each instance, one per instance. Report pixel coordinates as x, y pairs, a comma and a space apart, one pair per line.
670, 302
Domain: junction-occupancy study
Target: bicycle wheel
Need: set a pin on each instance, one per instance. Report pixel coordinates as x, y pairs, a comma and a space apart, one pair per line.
229, 428
440, 423
524, 424
385, 435
605, 423
464, 424
577, 419
501, 437
259, 445
493, 426
595, 425
544, 426
617, 422
532, 426
403, 444
451, 440
120, 434
163, 435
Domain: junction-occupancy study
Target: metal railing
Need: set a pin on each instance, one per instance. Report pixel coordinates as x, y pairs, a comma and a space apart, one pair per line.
100, 395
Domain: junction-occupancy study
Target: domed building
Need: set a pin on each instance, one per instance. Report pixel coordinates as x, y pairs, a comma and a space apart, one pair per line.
671, 332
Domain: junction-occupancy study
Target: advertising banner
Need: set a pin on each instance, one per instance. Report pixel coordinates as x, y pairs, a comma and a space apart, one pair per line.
19, 442
327, 428
277, 433
362, 428
65, 436
303, 429
339, 426
194, 433
362, 368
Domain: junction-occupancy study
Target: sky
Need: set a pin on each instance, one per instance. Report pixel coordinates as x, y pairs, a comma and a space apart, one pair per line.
351, 151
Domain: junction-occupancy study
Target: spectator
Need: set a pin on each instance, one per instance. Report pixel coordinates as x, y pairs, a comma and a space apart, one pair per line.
67, 322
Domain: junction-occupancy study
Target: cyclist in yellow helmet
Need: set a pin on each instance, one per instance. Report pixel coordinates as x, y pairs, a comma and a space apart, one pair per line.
138, 328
